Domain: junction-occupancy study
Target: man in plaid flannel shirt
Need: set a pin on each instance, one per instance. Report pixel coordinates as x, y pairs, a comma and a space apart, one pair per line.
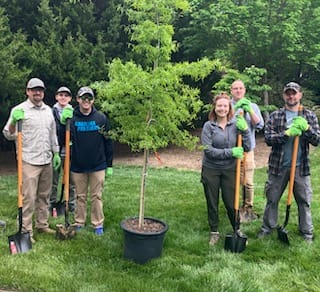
280, 130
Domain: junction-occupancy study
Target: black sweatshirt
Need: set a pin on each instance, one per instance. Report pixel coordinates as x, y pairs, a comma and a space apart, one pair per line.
92, 149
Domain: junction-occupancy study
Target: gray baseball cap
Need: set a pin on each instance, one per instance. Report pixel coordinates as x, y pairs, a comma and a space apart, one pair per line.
64, 89
85, 90
293, 86
35, 82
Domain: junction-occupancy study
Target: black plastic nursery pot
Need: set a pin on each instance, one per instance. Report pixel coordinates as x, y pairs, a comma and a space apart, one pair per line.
140, 246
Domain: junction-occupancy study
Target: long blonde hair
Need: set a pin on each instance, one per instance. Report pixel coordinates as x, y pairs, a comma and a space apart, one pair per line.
212, 115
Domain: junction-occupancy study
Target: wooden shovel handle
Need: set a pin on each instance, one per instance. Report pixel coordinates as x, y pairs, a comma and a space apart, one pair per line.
293, 164
66, 167
238, 170
19, 163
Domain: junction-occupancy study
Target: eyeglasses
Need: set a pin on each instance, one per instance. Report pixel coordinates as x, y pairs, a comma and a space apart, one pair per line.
86, 96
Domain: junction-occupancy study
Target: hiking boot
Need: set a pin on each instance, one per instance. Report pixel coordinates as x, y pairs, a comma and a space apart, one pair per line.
242, 214
214, 237
247, 215
251, 215
46, 230
99, 231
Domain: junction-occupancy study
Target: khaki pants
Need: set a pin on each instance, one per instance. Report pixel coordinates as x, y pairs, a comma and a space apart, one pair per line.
36, 189
248, 195
82, 182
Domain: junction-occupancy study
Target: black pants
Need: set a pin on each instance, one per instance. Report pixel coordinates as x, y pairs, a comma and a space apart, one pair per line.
213, 181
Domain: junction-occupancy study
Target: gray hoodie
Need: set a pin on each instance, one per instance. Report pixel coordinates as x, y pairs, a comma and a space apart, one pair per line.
218, 144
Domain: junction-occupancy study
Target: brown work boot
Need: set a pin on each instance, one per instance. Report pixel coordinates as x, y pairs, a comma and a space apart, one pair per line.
251, 215
46, 230
247, 214
214, 237
243, 214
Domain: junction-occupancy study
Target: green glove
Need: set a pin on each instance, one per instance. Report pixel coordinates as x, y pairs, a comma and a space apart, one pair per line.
67, 113
241, 123
56, 161
237, 152
109, 171
293, 131
300, 123
245, 104
17, 115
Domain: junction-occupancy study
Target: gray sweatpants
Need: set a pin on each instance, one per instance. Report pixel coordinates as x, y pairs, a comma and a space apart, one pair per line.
275, 186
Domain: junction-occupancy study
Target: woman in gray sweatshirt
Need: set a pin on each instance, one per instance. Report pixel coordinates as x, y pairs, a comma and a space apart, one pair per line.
219, 139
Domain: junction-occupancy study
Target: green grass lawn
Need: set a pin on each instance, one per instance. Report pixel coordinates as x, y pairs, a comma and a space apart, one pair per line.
91, 263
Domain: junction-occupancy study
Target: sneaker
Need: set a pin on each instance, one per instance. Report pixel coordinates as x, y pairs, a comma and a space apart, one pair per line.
99, 231
46, 230
214, 237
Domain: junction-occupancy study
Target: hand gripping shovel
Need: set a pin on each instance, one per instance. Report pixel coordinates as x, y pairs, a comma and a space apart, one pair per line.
66, 231
19, 242
237, 241
282, 232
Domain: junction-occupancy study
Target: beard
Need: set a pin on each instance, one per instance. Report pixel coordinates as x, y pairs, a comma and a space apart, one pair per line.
291, 104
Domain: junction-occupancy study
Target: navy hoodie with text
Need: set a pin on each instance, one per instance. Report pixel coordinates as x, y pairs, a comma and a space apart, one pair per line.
92, 149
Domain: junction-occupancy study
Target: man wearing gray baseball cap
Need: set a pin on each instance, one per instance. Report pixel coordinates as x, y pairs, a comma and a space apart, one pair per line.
40, 150
92, 156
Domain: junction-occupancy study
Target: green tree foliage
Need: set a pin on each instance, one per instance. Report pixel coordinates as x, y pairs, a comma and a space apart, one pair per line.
12, 72
275, 35
147, 97
155, 89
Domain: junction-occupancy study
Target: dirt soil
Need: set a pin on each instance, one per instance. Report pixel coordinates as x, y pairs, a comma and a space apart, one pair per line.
170, 157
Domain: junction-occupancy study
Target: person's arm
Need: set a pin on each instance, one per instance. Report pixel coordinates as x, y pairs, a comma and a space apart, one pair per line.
246, 140
9, 130
274, 131
256, 118
313, 133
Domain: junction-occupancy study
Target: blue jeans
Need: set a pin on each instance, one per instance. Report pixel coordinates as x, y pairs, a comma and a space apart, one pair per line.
275, 186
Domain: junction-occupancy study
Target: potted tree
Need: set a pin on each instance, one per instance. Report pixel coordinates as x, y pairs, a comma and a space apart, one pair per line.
149, 104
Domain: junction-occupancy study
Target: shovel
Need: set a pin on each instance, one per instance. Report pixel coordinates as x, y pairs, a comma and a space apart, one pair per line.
237, 241
19, 242
282, 232
59, 206
66, 231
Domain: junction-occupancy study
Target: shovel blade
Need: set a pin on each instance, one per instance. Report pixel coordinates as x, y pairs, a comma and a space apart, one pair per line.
22, 242
283, 235
235, 243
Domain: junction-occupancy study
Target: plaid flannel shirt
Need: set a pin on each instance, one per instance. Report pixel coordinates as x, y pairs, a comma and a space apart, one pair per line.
276, 138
